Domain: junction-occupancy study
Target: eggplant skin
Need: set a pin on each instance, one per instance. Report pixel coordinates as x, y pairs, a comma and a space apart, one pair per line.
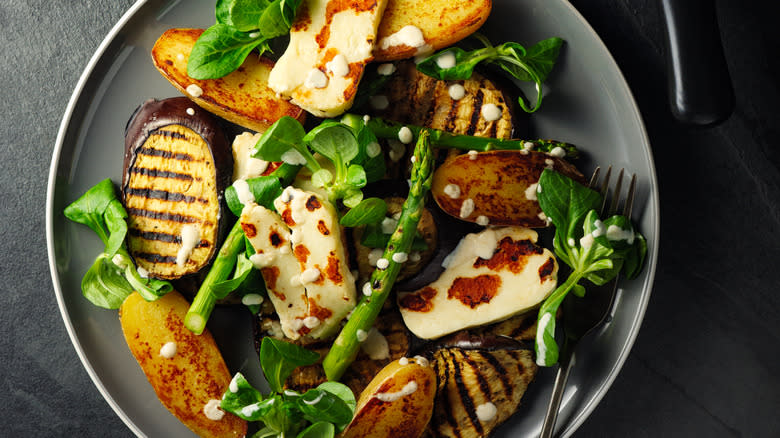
177, 165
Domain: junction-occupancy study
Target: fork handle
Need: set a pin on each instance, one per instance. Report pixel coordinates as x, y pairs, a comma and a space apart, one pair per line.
561, 377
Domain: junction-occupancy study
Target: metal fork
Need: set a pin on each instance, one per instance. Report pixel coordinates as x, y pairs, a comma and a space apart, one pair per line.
582, 315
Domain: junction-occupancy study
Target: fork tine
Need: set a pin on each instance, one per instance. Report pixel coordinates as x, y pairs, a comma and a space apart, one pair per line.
604, 189
595, 178
629, 203
613, 207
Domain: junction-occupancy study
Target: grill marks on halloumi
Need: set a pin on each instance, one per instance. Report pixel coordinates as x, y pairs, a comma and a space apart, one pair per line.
171, 183
301, 254
319, 73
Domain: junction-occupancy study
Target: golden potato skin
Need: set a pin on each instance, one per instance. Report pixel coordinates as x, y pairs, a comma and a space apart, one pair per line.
442, 22
405, 417
242, 97
191, 378
497, 181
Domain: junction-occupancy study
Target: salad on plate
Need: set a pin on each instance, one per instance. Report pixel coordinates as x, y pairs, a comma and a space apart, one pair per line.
358, 177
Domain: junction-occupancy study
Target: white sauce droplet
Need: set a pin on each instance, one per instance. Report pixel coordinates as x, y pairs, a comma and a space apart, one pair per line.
260, 261
486, 412
311, 322
405, 135
248, 410
373, 149
407, 36
233, 387
400, 257
558, 151
310, 276
242, 191
293, 157
530, 192
446, 60
316, 79
466, 208
386, 69
452, 190
338, 66
540, 347
388, 225
190, 237
168, 350
615, 233
194, 90
456, 91
212, 410
382, 263
473, 155
375, 345
389, 397
490, 112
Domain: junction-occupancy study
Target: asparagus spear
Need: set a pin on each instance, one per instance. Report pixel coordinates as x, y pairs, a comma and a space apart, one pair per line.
346, 345
223, 265
388, 129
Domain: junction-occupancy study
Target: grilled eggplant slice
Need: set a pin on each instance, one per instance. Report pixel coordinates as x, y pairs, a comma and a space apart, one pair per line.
478, 389
482, 375
416, 98
177, 164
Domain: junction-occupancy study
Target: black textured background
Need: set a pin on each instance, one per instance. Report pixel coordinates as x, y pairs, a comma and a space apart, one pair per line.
705, 362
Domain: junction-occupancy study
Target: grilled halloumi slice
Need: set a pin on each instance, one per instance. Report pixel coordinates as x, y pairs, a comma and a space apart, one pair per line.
270, 237
490, 276
300, 254
319, 249
330, 44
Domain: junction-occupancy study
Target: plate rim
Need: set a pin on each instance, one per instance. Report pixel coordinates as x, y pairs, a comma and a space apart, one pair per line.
588, 405
50, 194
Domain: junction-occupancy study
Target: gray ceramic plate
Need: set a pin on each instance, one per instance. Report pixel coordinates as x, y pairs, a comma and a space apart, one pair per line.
587, 103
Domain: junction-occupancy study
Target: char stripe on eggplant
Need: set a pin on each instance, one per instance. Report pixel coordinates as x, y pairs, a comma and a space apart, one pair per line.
152, 152
165, 195
465, 395
162, 173
162, 216
476, 112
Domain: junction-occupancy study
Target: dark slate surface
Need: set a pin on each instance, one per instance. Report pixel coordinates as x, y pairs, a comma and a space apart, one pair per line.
705, 361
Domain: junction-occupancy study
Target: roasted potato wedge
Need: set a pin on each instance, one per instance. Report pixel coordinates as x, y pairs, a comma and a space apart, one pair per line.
186, 370
397, 403
242, 97
496, 187
442, 23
